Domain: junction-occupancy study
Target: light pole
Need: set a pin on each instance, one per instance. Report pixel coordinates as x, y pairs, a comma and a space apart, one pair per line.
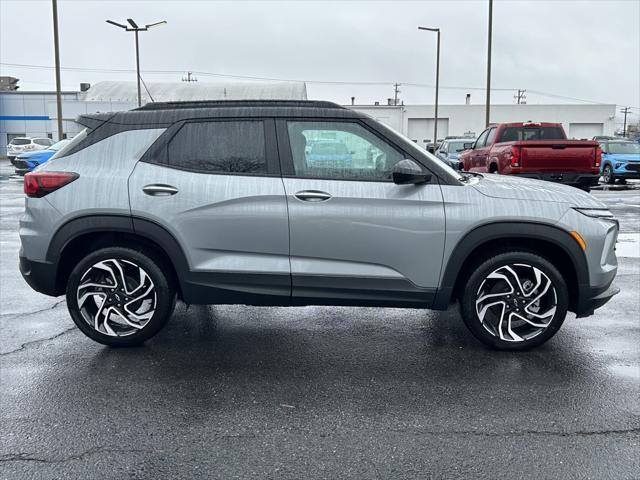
56, 52
135, 28
435, 122
488, 105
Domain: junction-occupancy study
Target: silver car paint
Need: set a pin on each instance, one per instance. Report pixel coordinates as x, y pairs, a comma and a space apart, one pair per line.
237, 223
101, 188
224, 223
367, 229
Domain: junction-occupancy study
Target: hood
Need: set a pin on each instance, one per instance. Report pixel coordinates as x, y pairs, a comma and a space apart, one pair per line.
509, 186
622, 157
36, 155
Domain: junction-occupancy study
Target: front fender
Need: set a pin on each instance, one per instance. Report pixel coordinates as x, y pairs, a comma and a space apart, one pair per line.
473, 241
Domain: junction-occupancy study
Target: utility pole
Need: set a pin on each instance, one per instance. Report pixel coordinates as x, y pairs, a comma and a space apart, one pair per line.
435, 120
520, 98
56, 50
625, 110
135, 29
488, 104
396, 92
189, 78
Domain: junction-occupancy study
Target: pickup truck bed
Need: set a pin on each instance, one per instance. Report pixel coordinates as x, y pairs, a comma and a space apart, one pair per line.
573, 162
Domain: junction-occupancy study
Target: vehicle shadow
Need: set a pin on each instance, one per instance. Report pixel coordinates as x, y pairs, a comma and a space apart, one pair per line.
291, 355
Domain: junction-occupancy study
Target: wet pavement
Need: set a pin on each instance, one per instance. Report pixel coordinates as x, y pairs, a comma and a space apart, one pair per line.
316, 392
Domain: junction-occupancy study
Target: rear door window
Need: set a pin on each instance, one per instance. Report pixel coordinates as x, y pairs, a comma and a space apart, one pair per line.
220, 147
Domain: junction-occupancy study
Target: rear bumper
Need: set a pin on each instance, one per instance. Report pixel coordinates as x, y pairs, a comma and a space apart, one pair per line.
580, 180
593, 298
41, 276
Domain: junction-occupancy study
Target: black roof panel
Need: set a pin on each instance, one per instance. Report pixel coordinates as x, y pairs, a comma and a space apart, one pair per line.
238, 103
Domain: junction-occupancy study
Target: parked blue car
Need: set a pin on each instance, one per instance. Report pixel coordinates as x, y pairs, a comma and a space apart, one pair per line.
25, 162
620, 160
329, 153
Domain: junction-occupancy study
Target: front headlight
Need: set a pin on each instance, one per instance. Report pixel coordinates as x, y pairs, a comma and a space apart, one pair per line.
596, 212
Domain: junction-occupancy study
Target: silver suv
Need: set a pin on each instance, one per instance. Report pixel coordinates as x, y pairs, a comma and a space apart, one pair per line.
222, 202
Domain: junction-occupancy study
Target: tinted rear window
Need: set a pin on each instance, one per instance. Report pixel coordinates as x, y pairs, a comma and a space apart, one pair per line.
514, 134
20, 141
220, 147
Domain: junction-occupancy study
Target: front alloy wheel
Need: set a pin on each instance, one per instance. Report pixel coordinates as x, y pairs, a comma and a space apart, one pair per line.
608, 175
514, 301
119, 297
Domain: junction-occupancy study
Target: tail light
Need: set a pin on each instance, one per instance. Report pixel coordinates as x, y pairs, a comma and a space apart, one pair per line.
598, 157
515, 156
39, 184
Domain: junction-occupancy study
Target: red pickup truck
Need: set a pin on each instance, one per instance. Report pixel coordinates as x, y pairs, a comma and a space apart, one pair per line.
535, 150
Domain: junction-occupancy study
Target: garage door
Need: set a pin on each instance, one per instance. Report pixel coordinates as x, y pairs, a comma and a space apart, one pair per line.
420, 130
585, 130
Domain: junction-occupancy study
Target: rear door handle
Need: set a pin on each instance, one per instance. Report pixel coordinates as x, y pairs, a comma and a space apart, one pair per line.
159, 190
312, 196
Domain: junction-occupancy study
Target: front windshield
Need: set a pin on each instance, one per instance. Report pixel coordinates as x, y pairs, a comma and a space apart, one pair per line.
58, 145
623, 148
457, 146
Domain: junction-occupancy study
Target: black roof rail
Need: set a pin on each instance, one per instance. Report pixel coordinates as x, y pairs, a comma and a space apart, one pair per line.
237, 103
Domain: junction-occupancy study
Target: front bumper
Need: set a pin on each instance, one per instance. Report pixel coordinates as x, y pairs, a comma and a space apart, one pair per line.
593, 298
580, 180
22, 166
41, 276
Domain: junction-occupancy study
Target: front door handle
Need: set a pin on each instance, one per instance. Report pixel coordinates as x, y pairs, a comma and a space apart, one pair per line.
312, 196
159, 190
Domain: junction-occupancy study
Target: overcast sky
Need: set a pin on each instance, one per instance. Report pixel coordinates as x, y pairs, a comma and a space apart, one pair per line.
586, 50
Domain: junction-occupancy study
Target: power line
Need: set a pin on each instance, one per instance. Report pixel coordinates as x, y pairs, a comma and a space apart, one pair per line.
245, 77
317, 82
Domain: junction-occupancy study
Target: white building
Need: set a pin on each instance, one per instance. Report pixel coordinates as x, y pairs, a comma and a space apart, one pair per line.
416, 121
31, 113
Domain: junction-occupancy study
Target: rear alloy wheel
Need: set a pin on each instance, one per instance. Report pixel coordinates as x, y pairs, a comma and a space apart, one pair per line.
607, 174
515, 301
119, 297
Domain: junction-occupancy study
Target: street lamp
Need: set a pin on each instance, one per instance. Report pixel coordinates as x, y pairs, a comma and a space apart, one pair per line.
135, 28
435, 123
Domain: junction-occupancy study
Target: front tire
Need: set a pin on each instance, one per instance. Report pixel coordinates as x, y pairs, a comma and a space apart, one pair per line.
607, 174
514, 301
119, 297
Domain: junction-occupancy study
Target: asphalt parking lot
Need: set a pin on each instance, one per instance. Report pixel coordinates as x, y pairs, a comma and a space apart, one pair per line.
317, 392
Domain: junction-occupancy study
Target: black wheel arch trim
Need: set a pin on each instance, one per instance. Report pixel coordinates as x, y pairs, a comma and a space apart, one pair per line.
145, 228
509, 230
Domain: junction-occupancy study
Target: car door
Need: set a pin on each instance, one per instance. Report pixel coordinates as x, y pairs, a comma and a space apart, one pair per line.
479, 152
215, 186
355, 236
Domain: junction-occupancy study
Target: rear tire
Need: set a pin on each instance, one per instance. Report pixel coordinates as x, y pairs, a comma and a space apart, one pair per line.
119, 297
514, 301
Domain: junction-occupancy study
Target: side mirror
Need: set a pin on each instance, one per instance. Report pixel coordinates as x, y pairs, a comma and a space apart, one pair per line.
408, 172
468, 145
